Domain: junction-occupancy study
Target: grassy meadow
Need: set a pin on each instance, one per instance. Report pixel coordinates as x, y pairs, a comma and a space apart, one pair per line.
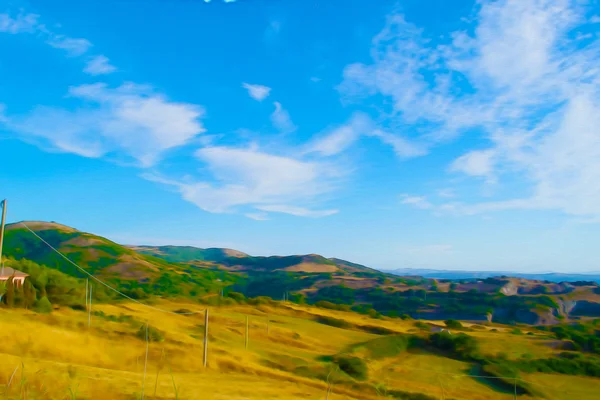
56, 356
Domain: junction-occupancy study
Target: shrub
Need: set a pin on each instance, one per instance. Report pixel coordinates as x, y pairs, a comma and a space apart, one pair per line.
353, 366
462, 346
516, 331
453, 324
237, 296
43, 305
422, 326
154, 335
338, 323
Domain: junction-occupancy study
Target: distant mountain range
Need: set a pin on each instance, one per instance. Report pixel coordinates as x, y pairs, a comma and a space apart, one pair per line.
458, 275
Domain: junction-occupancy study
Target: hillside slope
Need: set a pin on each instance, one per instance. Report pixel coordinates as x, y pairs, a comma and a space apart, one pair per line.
188, 253
94, 253
238, 261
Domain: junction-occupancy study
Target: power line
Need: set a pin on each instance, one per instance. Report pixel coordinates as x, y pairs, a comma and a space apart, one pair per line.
106, 284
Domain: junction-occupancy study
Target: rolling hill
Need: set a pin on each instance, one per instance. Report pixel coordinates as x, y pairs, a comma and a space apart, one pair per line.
459, 275
207, 274
94, 253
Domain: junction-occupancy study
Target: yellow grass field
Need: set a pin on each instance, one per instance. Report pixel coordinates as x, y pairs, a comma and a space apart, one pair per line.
56, 356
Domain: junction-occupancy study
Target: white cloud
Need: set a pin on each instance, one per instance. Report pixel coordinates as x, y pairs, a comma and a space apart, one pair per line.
595, 19
130, 120
23, 23
249, 177
281, 119
419, 202
297, 211
73, 46
342, 137
402, 147
522, 79
99, 65
476, 163
258, 216
257, 92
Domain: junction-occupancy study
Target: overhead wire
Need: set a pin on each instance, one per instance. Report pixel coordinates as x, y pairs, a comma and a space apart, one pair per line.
104, 283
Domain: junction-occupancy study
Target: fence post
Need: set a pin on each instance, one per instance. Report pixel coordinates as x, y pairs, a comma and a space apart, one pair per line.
205, 358
90, 308
246, 332
268, 322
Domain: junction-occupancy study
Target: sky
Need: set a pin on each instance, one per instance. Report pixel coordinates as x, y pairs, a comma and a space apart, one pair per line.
397, 134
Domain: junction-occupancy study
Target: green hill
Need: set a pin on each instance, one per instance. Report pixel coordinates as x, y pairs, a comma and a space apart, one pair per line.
188, 253
137, 274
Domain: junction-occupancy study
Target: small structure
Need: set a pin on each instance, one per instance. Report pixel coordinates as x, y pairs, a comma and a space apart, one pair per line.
18, 276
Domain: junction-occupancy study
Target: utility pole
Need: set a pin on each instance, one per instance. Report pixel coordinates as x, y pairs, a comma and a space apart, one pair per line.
205, 356
90, 309
3, 204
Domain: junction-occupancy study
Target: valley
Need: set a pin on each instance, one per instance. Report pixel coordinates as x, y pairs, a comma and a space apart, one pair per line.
301, 326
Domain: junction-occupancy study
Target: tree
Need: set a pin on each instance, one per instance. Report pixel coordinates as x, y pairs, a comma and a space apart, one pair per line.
2, 289
453, 324
9, 297
43, 305
28, 294
453, 286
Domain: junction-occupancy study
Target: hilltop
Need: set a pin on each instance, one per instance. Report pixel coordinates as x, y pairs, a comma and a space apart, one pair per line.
205, 274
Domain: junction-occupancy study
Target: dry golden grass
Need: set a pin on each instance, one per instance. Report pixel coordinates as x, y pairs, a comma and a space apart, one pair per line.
63, 359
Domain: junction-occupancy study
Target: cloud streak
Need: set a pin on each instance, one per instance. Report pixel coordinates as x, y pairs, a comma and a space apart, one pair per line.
129, 120
521, 79
257, 92
258, 180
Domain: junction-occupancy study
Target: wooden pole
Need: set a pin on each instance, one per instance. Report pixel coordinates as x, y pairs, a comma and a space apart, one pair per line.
246, 332
3, 204
87, 288
268, 321
515, 388
145, 363
205, 355
90, 309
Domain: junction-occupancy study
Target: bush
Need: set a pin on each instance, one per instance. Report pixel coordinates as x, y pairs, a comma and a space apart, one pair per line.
461, 346
154, 335
43, 305
353, 366
453, 324
422, 326
338, 323
237, 296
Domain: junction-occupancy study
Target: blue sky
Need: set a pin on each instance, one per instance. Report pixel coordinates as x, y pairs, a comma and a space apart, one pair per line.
394, 134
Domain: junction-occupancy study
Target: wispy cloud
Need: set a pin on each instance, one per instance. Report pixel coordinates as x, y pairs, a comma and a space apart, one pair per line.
257, 92
73, 46
420, 202
130, 120
340, 138
521, 78
281, 119
297, 211
99, 65
22, 23
258, 180
476, 163
258, 216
